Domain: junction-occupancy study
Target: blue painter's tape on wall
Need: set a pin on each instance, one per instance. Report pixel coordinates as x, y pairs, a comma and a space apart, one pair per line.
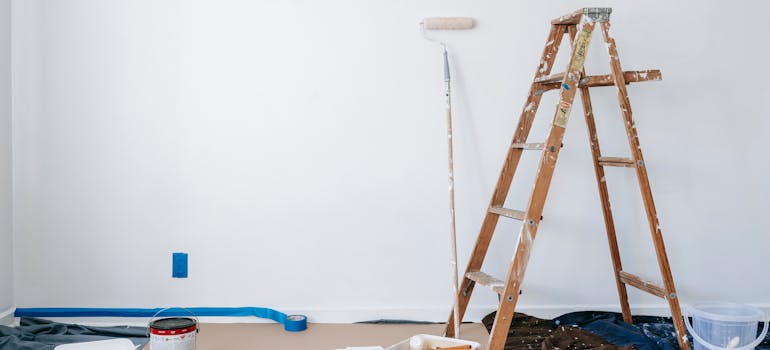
291, 323
179, 265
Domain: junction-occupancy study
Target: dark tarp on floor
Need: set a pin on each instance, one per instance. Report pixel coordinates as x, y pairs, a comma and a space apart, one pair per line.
593, 330
38, 334
529, 332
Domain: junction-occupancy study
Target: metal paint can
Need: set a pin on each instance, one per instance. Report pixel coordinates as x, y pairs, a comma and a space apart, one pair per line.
173, 333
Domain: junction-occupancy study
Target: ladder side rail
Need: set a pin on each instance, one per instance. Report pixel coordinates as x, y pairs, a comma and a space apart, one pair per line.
644, 186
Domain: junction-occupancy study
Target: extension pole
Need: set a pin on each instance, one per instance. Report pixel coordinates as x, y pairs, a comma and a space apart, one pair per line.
450, 23
452, 228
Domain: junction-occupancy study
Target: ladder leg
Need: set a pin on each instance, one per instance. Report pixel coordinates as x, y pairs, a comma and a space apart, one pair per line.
536, 203
604, 197
506, 175
644, 186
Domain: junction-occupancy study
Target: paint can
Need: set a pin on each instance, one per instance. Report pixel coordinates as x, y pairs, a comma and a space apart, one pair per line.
173, 333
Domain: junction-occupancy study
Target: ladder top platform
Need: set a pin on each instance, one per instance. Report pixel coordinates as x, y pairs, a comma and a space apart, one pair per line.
595, 14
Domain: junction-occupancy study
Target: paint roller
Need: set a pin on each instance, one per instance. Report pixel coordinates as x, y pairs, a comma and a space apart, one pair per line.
445, 23
449, 23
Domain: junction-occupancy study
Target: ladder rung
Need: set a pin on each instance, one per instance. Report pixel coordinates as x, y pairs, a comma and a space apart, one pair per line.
638, 283
553, 81
485, 279
510, 213
528, 145
616, 161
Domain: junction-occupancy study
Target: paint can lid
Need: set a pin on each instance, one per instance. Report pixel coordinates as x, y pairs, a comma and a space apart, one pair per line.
172, 323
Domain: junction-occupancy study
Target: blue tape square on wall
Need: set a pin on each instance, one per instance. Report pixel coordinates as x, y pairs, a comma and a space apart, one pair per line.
179, 265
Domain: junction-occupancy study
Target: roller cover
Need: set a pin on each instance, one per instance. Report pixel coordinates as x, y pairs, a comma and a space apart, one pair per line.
444, 23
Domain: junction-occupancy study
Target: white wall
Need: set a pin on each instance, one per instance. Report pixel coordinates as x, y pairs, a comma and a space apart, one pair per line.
296, 150
6, 232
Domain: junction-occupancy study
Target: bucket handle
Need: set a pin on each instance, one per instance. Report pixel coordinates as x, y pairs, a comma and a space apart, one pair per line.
710, 346
154, 317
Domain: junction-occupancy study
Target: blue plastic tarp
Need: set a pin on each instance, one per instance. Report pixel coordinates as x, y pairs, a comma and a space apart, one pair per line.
647, 332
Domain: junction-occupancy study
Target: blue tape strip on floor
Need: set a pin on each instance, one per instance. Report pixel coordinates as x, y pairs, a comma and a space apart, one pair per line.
291, 323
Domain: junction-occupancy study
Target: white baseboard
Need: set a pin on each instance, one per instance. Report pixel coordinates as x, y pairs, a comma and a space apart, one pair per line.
429, 314
6, 317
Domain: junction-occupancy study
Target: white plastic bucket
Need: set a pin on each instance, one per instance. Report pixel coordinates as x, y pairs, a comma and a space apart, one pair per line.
719, 326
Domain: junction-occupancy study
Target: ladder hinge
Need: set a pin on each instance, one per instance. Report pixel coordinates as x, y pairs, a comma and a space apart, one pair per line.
597, 14
468, 287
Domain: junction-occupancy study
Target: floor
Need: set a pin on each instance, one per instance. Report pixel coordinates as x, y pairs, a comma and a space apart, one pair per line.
246, 336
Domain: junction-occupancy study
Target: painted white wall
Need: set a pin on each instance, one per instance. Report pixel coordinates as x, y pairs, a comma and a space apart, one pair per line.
6, 231
296, 150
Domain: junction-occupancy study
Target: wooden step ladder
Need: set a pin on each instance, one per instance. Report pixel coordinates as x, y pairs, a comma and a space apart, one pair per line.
580, 26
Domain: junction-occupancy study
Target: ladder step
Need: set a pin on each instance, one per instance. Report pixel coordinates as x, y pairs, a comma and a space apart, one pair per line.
528, 145
553, 78
485, 279
570, 18
616, 161
638, 283
629, 76
509, 213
